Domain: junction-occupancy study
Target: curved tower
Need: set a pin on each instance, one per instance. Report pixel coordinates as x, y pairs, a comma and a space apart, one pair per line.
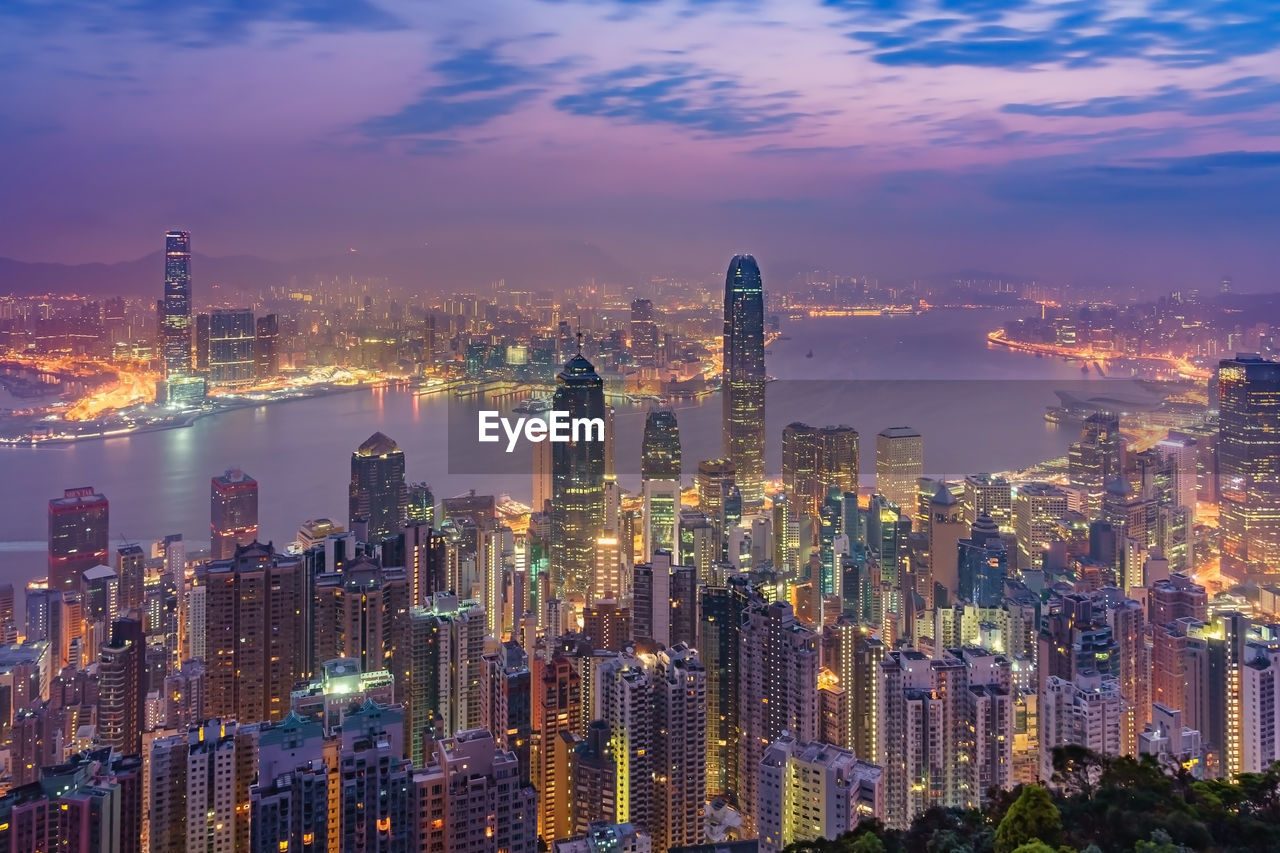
744, 377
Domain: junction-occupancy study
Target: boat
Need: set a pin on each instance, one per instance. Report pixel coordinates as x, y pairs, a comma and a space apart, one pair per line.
809, 354
533, 406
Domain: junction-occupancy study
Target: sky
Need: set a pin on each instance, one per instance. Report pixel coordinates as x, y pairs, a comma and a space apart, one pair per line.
1124, 141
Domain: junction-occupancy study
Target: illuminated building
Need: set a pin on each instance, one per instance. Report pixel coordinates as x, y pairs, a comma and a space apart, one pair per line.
375, 784
983, 564
778, 661
1128, 627
1037, 507
422, 504
625, 703
1096, 459
122, 687
644, 334
664, 604
660, 481
1249, 465
505, 704
92, 802
577, 482
607, 837
233, 513
946, 529
719, 648
850, 685
378, 493
175, 316
131, 569
812, 791
743, 386
595, 778
679, 747
199, 788
557, 710
231, 348
816, 458
77, 536
254, 648
461, 664
469, 799
266, 340
899, 463
608, 624
985, 493
1086, 711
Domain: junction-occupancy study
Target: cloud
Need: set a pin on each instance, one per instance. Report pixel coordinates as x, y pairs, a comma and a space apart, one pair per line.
476, 86
1022, 34
1245, 94
680, 94
198, 23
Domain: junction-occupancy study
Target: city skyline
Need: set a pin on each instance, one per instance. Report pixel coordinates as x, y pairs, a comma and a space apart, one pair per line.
907, 139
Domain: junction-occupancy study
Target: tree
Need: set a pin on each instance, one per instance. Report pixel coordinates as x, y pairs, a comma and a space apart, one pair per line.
867, 842
1035, 845
1033, 816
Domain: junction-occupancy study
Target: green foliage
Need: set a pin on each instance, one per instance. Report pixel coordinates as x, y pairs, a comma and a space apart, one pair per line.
1034, 846
1033, 816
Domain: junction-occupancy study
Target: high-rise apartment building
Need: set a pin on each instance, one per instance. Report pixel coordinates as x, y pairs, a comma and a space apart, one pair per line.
1249, 465
679, 748
199, 788
811, 791
743, 386
719, 647
375, 783
506, 702
378, 494
77, 536
899, 463
1086, 711
122, 687
233, 512
557, 711
131, 569
577, 482
266, 342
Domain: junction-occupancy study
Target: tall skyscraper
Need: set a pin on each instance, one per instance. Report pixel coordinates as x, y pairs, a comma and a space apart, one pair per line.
1249, 465
122, 687
1096, 459
660, 470
175, 319
577, 482
254, 646
811, 791
233, 512
899, 463
77, 536
506, 702
644, 334
379, 495
743, 386
266, 358
679, 748
232, 341
1036, 510
816, 458
199, 788
557, 711
131, 568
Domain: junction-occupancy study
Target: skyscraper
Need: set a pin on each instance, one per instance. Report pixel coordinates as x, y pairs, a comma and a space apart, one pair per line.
899, 463
232, 337
644, 334
378, 494
815, 459
1249, 465
557, 710
266, 359
122, 687
679, 747
660, 481
811, 791
233, 512
577, 482
744, 377
175, 319
77, 536
1096, 459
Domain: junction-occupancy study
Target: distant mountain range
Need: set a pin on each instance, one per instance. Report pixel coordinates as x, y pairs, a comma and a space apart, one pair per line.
454, 267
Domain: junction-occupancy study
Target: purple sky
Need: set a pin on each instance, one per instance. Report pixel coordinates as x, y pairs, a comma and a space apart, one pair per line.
1116, 141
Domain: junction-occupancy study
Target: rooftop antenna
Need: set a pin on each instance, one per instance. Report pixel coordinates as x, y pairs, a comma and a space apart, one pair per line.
579, 341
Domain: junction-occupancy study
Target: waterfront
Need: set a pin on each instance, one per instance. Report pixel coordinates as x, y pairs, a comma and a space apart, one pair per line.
979, 408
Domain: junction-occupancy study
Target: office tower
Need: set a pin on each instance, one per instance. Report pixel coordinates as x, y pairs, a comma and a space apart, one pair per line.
175, 317
1096, 459
946, 529
1182, 453
719, 648
644, 334
744, 377
266, 340
945, 730
716, 484
816, 458
363, 613
1037, 507
557, 710
233, 513
77, 536
778, 662
595, 778
660, 481
983, 564
625, 702
199, 788
8, 616
899, 463
1249, 465
577, 482
469, 799
812, 791
378, 492
131, 569
679, 748
1086, 711
608, 624
422, 504
255, 646
375, 791
201, 358
506, 702
122, 687
231, 348
987, 494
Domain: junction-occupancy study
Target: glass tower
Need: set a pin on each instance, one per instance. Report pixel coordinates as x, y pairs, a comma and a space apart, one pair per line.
744, 377
175, 320
660, 479
1249, 465
577, 482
